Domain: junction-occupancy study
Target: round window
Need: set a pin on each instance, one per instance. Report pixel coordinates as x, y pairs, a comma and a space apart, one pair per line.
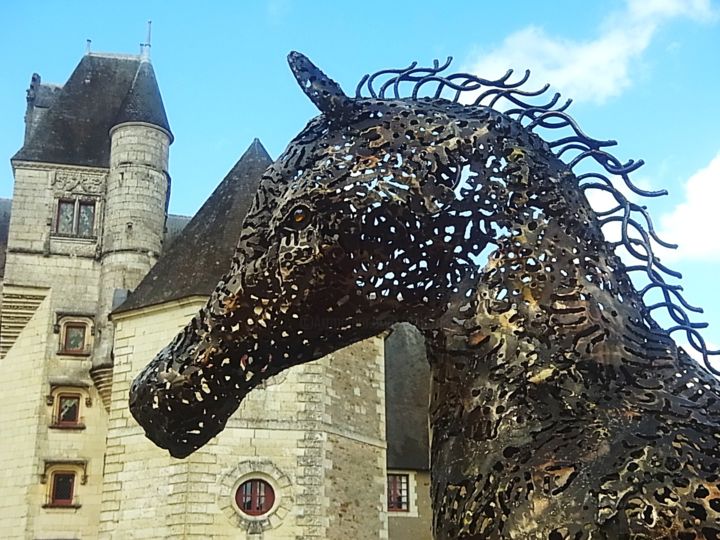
255, 497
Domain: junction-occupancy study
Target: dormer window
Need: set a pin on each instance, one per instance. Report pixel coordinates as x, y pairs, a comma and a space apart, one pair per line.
75, 217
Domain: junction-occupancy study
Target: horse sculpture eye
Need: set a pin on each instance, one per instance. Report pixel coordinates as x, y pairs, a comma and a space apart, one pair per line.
300, 217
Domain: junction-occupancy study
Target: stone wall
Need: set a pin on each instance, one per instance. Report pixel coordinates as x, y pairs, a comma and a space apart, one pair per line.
19, 416
38, 258
38, 187
356, 452
32, 208
34, 446
320, 462
144, 491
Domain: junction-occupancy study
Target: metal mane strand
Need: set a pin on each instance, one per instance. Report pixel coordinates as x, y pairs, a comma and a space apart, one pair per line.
637, 233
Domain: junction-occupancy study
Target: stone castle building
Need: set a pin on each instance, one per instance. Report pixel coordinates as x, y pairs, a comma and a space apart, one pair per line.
96, 277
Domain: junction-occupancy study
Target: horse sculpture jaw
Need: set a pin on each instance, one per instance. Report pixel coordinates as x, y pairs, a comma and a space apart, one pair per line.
177, 409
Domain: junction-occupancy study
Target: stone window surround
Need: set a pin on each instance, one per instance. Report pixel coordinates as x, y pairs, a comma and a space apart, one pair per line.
77, 199
412, 510
248, 470
52, 400
78, 467
63, 320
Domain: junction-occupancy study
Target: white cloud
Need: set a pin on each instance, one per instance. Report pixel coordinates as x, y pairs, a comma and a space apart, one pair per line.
694, 222
595, 69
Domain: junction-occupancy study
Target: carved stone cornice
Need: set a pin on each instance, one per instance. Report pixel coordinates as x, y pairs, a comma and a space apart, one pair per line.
78, 181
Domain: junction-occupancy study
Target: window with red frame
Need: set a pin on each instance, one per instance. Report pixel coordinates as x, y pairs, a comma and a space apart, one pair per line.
68, 412
397, 493
255, 497
74, 338
62, 490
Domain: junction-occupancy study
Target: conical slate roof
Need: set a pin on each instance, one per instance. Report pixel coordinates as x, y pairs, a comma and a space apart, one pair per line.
201, 254
103, 89
143, 102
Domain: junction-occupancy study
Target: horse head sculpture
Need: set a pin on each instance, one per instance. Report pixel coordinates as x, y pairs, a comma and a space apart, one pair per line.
559, 407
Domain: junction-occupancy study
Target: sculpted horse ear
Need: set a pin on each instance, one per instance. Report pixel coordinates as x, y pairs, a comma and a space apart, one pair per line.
325, 93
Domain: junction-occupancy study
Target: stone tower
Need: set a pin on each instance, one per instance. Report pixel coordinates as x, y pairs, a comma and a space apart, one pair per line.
136, 200
87, 218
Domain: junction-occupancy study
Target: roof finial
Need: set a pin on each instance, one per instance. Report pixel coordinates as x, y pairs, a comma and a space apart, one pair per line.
145, 47
88, 42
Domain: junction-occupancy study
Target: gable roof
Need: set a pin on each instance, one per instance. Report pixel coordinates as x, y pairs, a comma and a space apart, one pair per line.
202, 252
5, 207
104, 90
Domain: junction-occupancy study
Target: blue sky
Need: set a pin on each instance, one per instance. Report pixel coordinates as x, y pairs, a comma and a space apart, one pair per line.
643, 72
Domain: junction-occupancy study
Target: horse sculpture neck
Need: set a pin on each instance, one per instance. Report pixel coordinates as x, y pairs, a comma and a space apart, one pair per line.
569, 408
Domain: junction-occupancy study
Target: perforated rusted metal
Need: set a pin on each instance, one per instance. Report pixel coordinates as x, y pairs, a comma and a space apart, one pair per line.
559, 408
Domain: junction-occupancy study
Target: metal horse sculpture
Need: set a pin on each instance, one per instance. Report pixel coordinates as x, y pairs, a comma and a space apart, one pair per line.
560, 409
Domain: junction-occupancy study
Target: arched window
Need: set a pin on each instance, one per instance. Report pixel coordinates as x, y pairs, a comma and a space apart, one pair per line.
255, 497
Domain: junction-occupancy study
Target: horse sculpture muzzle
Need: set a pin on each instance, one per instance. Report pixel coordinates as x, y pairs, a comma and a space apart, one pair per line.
174, 408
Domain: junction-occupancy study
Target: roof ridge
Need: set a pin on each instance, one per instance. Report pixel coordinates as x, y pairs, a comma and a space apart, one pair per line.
123, 56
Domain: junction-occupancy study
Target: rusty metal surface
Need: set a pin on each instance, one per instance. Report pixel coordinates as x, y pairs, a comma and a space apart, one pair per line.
559, 408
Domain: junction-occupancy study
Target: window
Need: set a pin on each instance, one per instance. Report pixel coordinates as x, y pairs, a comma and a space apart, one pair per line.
68, 410
66, 402
255, 497
397, 493
62, 488
62, 478
75, 217
75, 334
74, 338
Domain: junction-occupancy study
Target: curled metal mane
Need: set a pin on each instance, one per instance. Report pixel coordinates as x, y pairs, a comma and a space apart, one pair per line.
637, 233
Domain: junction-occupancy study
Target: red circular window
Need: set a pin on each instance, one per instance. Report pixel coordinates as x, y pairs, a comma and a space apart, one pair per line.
255, 497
